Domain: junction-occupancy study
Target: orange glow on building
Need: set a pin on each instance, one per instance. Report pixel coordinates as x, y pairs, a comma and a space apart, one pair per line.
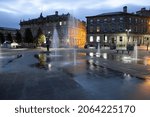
77, 35
147, 61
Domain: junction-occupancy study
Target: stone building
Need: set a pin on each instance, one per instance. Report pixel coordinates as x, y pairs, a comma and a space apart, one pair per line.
119, 28
71, 31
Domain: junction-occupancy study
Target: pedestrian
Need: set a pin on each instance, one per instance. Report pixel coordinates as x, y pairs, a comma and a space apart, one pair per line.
48, 44
147, 45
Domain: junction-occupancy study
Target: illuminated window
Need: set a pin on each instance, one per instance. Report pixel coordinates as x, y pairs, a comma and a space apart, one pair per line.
106, 39
113, 19
60, 23
98, 29
91, 38
98, 38
121, 18
105, 20
98, 20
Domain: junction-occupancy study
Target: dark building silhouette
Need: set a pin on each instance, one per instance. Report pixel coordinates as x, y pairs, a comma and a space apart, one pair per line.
120, 28
5, 31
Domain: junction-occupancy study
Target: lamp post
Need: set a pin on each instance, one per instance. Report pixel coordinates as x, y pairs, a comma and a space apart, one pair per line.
48, 41
128, 31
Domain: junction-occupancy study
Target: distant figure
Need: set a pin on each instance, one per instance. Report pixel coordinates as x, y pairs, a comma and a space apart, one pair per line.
147, 46
47, 44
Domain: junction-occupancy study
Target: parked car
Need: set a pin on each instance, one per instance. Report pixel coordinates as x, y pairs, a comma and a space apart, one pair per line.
6, 44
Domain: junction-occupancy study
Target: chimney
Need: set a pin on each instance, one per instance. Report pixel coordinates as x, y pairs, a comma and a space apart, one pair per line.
56, 12
143, 9
125, 9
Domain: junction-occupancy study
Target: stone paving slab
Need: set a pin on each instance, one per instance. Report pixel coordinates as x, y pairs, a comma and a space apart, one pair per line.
136, 70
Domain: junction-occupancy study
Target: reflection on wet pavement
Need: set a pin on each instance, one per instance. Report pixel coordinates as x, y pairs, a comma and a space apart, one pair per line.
122, 58
42, 76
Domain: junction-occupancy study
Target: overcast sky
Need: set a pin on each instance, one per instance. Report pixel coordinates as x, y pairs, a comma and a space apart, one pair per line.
12, 11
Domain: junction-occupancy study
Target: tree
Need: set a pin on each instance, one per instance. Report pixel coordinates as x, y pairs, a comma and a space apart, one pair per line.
28, 36
2, 38
40, 37
18, 37
39, 32
9, 37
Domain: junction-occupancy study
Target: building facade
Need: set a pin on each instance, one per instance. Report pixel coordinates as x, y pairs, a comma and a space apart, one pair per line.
120, 28
71, 31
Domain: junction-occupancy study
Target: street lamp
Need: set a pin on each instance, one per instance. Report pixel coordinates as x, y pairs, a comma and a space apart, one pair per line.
128, 31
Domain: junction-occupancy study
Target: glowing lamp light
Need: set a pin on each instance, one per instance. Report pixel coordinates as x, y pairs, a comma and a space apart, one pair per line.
91, 54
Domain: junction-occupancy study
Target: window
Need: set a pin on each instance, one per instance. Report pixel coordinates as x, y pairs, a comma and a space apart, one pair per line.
130, 20
91, 29
121, 18
120, 28
136, 29
65, 22
105, 39
98, 20
105, 20
98, 39
60, 23
113, 19
136, 20
120, 39
98, 29
141, 21
91, 38
112, 29
91, 21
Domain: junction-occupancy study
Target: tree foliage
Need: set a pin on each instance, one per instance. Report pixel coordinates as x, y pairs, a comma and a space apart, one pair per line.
9, 37
18, 37
39, 32
2, 38
40, 37
28, 36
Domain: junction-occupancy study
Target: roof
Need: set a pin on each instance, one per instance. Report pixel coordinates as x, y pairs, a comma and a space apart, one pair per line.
114, 13
6, 28
51, 18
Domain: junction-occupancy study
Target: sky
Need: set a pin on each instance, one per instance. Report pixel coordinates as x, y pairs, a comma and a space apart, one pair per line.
12, 11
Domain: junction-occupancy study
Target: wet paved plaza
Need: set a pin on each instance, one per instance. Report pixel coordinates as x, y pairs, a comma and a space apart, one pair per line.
41, 75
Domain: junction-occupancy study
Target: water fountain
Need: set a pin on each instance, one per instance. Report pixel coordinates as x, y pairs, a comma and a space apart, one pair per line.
98, 53
134, 56
71, 40
0, 51
75, 54
55, 41
72, 24
135, 52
